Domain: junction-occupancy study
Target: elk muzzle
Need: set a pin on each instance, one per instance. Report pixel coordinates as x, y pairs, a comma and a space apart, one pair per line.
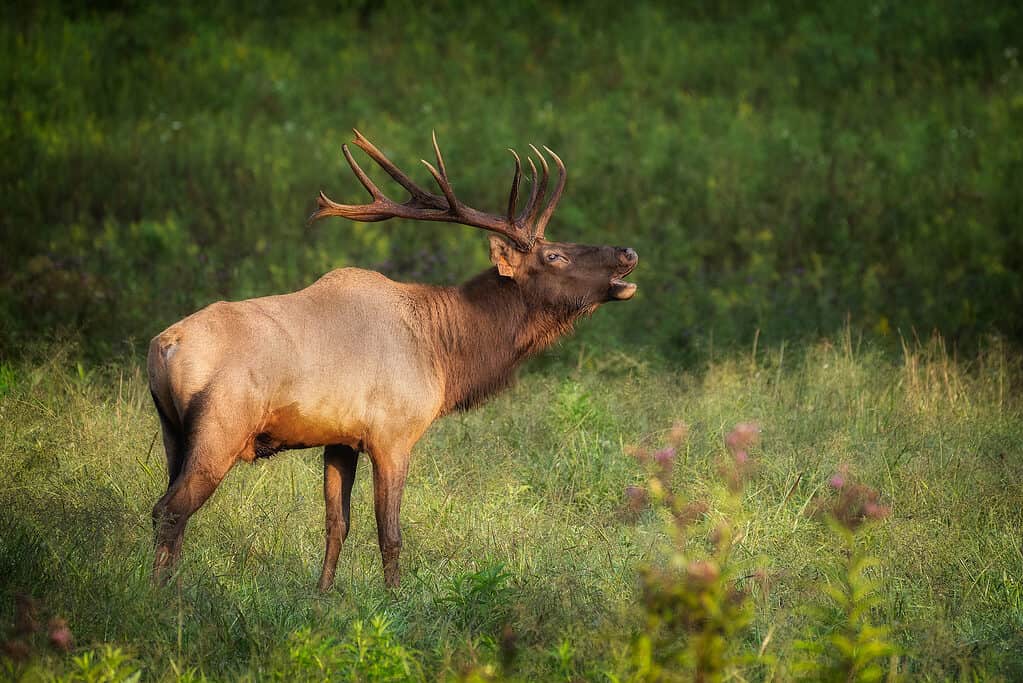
620, 289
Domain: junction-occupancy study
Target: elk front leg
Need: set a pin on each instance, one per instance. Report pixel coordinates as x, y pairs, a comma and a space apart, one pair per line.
339, 464
388, 485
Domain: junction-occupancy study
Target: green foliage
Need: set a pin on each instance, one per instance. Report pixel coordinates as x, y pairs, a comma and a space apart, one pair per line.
370, 653
857, 650
574, 408
778, 166
854, 649
519, 561
7, 378
695, 620
478, 601
564, 657
695, 614
107, 665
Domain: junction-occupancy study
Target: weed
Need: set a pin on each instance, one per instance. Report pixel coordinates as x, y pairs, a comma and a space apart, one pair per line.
370, 652
478, 601
694, 611
107, 665
855, 648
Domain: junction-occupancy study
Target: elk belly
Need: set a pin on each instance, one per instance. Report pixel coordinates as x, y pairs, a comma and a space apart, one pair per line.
288, 427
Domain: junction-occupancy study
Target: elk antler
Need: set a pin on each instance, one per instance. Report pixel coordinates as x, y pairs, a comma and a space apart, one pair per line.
522, 229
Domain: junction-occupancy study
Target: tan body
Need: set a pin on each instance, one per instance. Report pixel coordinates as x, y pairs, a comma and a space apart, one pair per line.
340, 362
319, 367
359, 363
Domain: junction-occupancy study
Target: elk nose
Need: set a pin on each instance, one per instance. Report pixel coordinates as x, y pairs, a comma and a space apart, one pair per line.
627, 257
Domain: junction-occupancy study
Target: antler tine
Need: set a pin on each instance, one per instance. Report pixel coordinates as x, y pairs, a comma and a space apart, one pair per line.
367, 213
527, 210
360, 174
440, 159
548, 211
364, 212
392, 170
541, 191
445, 187
513, 197
441, 176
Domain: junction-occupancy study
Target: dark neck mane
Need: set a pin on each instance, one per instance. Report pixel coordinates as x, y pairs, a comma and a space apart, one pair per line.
481, 331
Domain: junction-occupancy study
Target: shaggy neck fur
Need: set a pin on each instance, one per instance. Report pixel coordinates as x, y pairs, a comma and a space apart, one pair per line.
482, 331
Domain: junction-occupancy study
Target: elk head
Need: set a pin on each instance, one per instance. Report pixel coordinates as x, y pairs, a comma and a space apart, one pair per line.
574, 278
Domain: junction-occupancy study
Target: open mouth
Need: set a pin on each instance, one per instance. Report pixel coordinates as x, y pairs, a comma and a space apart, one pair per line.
620, 289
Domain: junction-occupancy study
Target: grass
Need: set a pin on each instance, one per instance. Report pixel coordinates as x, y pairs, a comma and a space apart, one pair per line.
518, 560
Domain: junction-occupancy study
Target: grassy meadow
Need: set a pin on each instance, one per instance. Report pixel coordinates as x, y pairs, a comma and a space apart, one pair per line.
515, 527
812, 190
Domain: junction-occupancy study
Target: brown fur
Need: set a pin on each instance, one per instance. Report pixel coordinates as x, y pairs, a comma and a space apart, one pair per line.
478, 351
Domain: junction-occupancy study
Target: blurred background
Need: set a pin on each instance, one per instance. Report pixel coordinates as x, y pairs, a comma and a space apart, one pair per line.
786, 167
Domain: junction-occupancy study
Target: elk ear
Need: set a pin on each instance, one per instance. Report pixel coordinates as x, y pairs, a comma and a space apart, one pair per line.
503, 255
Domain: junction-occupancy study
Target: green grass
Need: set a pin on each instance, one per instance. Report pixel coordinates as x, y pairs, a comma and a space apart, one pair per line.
513, 523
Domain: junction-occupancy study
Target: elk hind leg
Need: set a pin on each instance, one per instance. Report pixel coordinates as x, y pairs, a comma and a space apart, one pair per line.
208, 459
173, 441
339, 463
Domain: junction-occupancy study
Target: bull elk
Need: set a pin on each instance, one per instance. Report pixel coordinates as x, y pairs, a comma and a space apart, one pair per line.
359, 363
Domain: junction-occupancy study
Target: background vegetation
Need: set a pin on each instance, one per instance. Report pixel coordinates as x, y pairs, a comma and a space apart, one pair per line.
807, 186
777, 166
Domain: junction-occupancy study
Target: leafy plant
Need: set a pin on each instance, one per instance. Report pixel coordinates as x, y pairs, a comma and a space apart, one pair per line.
855, 649
370, 652
478, 601
564, 657
106, 665
694, 611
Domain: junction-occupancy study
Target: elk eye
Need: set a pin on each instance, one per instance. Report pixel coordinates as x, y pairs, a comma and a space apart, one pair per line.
553, 256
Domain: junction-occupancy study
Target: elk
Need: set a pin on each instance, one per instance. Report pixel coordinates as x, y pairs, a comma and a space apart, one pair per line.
358, 363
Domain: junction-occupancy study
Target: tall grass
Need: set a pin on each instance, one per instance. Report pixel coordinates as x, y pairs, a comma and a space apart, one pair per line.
519, 559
